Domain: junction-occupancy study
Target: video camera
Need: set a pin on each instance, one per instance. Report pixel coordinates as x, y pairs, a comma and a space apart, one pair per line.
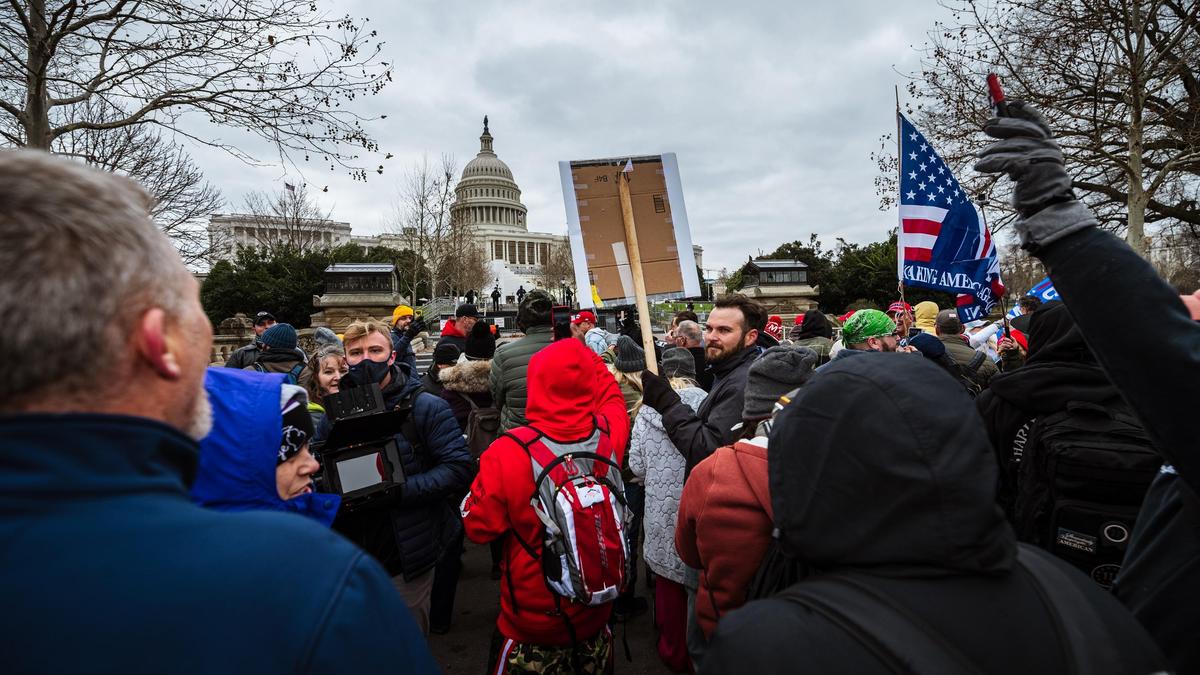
360, 459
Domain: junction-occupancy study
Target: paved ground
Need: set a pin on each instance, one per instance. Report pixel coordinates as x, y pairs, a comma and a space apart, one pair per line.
465, 648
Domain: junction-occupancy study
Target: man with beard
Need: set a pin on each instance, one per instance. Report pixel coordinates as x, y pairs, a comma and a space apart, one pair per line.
729, 337
109, 566
407, 535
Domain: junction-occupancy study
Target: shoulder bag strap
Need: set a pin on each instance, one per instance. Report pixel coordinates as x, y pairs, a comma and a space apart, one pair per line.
904, 642
1087, 642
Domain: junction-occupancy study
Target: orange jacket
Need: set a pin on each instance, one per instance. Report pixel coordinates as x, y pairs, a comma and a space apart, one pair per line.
725, 526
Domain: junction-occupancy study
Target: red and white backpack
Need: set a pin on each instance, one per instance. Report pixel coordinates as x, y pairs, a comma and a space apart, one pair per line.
580, 498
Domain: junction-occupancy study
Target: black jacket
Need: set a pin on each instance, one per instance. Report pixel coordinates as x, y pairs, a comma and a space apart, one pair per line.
1156, 367
243, 356
1060, 369
698, 434
409, 536
903, 500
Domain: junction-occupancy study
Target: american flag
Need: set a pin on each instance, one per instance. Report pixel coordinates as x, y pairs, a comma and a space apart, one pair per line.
943, 242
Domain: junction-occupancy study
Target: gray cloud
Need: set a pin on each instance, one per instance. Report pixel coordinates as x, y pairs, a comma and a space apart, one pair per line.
772, 108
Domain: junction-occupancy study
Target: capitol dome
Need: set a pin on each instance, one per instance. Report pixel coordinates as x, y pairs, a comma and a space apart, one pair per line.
486, 196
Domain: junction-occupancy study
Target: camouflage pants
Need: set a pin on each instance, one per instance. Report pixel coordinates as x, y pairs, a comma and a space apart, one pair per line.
593, 656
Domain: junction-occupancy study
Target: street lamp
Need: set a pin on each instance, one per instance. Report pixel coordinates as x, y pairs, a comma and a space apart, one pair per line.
562, 284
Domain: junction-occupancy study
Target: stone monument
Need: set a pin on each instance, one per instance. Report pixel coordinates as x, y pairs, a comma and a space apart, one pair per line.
356, 291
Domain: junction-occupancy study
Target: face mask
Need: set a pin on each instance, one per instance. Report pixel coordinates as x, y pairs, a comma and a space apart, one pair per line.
367, 372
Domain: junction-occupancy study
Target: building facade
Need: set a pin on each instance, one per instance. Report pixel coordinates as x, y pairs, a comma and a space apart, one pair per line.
229, 231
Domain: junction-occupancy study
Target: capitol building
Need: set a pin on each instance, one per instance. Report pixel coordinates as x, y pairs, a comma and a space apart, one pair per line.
487, 199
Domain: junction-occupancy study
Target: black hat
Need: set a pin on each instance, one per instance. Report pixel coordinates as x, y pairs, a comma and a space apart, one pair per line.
466, 309
263, 317
445, 354
535, 309
480, 343
678, 362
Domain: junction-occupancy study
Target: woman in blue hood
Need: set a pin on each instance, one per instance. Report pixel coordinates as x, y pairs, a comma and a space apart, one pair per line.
256, 457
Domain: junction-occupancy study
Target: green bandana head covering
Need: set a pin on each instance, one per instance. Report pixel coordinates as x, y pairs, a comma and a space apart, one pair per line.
866, 323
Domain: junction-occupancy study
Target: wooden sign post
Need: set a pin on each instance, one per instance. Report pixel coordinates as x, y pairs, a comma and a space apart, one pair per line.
635, 266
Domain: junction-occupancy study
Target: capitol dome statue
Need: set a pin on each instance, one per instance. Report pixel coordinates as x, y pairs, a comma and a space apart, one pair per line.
488, 200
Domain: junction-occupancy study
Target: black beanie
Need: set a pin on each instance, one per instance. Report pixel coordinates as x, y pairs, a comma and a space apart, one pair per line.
297, 423
480, 343
445, 353
630, 357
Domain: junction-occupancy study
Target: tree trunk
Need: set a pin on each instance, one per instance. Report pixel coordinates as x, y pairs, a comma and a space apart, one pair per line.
1135, 233
37, 99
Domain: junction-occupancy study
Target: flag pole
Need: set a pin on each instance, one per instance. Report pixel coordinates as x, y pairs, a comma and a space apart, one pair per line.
899, 218
635, 266
1003, 304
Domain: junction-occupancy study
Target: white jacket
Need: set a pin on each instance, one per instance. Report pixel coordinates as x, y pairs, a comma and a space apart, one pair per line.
653, 457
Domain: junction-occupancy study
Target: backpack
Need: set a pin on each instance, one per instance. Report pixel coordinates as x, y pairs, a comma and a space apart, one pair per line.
906, 643
293, 375
483, 426
1082, 477
580, 499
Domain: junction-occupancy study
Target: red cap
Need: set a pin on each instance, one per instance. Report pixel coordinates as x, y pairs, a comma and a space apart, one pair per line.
775, 327
799, 320
899, 307
580, 317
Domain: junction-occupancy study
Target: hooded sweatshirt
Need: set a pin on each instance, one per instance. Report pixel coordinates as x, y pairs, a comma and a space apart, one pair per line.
902, 500
239, 455
568, 385
925, 316
816, 333
452, 335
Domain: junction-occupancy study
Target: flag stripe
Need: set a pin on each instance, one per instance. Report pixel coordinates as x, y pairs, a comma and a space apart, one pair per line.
918, 226
925, 241
918, 254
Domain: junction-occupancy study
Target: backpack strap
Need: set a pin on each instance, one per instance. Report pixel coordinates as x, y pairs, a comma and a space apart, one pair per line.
976, 361
294, 373
1087, 642
895, 636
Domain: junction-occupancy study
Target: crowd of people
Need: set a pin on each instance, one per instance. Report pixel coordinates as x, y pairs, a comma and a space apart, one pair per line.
891, 492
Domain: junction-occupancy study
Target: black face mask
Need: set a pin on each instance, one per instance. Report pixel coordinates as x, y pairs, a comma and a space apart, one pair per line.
366, 372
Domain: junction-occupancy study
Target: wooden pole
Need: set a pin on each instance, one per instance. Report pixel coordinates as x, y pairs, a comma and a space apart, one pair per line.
635, 268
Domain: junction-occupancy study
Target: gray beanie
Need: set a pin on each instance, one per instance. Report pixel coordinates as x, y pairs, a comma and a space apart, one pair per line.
324, 336
630, 357
778, 371
678, 362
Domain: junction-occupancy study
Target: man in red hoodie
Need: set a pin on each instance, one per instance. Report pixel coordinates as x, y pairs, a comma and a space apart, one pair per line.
569, 387
455, 332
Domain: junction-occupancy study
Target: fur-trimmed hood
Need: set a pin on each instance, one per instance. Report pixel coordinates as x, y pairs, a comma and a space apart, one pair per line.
469, 377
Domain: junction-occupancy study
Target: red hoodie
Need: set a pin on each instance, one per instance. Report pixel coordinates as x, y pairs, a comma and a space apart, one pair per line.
568, 384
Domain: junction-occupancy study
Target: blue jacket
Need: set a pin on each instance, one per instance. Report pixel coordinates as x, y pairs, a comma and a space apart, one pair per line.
110, 568
238, 457
410, 536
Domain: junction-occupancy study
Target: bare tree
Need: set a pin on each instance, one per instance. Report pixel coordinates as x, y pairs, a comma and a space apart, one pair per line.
1117, 80
558, 266
286, 220
183, 198
281, 69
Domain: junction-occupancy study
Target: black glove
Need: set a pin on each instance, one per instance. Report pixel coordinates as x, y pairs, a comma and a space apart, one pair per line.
415, 328
657, 392
1042, 194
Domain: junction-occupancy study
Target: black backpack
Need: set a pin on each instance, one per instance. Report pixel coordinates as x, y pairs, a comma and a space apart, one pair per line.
1082, 477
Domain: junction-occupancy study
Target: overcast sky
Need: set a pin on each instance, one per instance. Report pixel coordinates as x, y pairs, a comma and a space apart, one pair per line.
772, 108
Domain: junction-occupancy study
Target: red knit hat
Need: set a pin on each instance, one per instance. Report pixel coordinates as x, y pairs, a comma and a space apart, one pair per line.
775, 327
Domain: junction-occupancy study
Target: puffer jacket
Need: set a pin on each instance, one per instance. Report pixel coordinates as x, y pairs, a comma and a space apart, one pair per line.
569, 389
507, 377
466, 379
409, 536
655, 459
